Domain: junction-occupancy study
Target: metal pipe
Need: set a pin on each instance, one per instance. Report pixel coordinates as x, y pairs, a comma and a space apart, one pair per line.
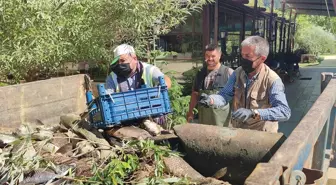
244, 26
216, 23
271, 28
239, 150
265, 32
255, 9
284, 38
294, 30
289, 32
282, 28
205, 26
276, 35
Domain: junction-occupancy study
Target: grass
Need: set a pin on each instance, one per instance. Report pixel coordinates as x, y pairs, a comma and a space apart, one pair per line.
323, 55
196, 60
3, 84
308, 64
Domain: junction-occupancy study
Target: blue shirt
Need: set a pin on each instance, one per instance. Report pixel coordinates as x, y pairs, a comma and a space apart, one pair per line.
279, 111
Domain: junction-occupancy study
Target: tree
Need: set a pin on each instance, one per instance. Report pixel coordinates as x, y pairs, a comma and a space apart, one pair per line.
315, 40
30, 38
39, 36
323, 21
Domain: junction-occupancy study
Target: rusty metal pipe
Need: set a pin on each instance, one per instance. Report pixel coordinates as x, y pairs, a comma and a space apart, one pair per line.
209, 148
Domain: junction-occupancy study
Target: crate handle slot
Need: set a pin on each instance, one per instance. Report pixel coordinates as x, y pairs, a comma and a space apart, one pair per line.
157, 105
144, 99
91, 110
159, 91
111, 98
91, 103
144, 107
109, 92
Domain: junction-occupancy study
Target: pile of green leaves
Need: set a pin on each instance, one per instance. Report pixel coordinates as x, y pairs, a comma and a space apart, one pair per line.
19, 158
131, 156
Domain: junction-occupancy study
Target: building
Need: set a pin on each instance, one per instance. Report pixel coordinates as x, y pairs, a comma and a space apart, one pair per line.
228, 23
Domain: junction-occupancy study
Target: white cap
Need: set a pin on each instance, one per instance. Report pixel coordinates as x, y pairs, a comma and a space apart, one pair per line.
120, 50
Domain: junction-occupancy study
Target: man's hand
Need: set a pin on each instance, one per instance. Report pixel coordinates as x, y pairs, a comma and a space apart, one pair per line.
205, 100
242, 114
190, 116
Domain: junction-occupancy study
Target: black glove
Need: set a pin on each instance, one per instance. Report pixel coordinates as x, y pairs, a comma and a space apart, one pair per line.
242, 114
204, 100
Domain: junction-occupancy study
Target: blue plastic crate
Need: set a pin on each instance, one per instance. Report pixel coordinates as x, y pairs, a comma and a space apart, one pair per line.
111, 109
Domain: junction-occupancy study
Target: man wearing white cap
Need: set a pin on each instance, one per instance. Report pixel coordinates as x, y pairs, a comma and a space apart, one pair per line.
128, 73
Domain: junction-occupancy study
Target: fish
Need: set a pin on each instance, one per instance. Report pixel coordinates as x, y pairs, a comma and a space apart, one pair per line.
220, 173
152, 127
39, 176
6, 139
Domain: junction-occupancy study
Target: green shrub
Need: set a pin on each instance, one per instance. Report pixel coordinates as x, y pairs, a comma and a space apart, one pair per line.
179, 104
189, 77
315, 39
320, 59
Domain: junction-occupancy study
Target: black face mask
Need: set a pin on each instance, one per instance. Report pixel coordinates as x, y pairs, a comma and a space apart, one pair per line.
247, 65
122, 70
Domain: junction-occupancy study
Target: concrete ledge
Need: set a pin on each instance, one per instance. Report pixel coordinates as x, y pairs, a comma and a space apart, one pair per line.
43, 101
331, 176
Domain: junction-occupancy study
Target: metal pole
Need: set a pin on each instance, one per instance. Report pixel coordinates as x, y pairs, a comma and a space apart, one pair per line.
271, 28
242, 36
276, 36
325, 79
321, 143
331, 134
289, 31
265, 32
294, 30
154, 45
282, 28
255, 9
205, 26
216, 23
284, 38
243, 27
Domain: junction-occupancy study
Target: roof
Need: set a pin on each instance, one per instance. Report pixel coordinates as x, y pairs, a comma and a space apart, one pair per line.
312, 7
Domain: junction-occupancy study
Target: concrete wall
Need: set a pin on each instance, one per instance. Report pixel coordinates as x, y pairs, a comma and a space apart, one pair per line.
43, 101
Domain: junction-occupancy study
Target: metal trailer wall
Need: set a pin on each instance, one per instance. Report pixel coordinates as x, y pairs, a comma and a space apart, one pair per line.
41, 101
306, 154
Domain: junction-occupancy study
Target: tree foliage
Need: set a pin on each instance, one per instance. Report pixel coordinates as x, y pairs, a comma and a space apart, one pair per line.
39, 36
313, 34
325, 22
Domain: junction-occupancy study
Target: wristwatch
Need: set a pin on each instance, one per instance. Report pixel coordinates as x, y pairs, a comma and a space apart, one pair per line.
256, 114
